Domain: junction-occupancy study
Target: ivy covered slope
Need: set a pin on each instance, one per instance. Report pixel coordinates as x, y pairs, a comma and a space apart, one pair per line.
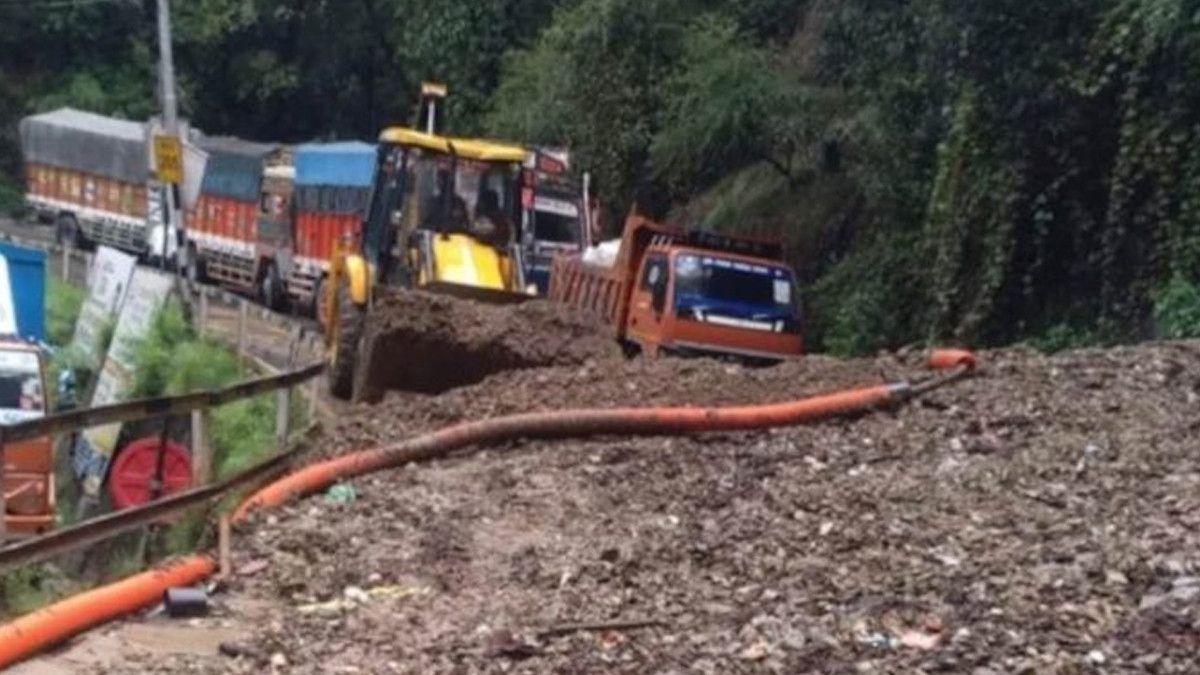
988, 172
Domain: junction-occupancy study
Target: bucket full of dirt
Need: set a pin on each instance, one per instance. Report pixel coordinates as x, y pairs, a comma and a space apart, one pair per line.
427, 343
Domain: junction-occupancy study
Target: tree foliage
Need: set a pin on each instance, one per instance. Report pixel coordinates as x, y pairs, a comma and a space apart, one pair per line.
981, 171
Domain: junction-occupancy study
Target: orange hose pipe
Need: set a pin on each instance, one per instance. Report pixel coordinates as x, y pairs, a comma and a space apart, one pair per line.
595, 422
34, 632
947, 359
569, 424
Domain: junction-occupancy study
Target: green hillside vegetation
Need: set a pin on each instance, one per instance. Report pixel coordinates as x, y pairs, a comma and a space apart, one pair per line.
985, 173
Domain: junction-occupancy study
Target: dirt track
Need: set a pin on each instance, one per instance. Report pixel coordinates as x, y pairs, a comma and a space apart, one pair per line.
1044, 517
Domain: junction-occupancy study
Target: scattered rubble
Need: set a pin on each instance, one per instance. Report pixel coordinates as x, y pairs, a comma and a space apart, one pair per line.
958, 534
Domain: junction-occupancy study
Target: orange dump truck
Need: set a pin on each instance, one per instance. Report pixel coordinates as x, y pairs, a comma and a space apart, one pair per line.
664, 290
28, 484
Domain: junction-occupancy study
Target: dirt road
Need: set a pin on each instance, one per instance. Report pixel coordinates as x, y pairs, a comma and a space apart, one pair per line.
1043, 517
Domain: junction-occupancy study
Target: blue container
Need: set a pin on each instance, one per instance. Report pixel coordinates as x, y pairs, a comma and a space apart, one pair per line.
27, 282
347, 164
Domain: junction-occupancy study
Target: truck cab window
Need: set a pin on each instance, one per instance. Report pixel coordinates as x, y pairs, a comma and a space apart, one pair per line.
654, 279
20, 385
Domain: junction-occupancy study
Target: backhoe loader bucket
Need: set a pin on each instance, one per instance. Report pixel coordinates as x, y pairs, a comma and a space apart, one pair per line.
489, 296
425, 342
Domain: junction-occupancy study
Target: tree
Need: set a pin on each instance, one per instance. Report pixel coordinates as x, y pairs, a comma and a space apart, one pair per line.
730, 104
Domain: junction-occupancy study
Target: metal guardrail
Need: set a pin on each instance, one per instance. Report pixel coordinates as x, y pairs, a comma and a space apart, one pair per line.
110, 525
142, 409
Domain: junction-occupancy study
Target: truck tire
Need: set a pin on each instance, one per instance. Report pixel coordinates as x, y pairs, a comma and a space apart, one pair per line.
194, 267
316, 303
344, 350
270, 288
66, 231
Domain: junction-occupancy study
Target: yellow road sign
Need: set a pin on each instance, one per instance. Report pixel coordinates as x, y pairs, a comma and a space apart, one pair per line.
168, 159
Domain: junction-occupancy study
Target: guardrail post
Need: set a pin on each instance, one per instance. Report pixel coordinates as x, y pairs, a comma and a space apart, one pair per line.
241, 329
66, 264
202, 468
283, 396
202, 320
3, 504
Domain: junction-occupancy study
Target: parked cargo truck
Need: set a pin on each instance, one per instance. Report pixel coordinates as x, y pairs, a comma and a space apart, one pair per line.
240, 231
89, 175
333, 184
552, 219
665, 290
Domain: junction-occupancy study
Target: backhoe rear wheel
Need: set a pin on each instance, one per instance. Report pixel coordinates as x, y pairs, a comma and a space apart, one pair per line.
347, 332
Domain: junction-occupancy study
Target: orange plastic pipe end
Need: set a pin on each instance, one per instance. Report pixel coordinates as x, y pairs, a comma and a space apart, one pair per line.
949, 359
33, 633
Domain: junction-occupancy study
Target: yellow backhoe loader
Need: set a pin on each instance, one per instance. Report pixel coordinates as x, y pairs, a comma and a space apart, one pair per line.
443, 217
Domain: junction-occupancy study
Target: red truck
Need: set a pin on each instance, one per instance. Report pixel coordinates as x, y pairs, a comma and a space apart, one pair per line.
240, 222
689, 293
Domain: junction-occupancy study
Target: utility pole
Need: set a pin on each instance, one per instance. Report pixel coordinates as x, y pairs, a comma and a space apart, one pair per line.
172, 214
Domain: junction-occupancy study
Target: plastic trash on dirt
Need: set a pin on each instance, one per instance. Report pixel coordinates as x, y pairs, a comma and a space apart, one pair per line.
341, 493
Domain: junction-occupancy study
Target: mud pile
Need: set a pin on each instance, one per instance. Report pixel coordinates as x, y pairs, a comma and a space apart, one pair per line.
1042, 517
427, 343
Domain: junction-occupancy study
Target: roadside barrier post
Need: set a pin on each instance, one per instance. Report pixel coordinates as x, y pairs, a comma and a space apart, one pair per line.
283, 396
66, 264
3, 504
241, 329
201, 448
202, 320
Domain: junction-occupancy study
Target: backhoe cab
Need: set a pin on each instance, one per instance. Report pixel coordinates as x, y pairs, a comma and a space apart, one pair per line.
443, 217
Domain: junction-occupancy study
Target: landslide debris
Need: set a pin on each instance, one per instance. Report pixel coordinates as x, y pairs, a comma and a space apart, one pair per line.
429, 343
1042, 517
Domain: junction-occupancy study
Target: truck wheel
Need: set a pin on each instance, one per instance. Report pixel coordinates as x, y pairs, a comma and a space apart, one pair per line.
194, 267
66, 231
316, 306
344, 348
270, 288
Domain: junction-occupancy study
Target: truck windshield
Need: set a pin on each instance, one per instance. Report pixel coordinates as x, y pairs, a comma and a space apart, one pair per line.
555, 219
712, 288
21, 395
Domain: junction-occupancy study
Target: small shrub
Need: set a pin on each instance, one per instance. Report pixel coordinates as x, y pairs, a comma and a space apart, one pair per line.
12, 200
1177, 309
154, 355
243, 433
1064, 336
63, 304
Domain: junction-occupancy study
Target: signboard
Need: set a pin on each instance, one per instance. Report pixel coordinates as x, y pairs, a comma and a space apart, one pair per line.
148, 291
108, 281
168, 159
558, 207
195, 162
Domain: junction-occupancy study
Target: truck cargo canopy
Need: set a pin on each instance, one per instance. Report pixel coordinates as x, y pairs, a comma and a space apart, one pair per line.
87, 142
348, 164
235, 167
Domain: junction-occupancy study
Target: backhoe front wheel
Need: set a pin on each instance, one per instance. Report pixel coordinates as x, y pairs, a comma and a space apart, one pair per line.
347, 331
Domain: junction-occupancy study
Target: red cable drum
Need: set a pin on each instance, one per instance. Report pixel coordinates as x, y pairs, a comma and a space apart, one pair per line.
134, 473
